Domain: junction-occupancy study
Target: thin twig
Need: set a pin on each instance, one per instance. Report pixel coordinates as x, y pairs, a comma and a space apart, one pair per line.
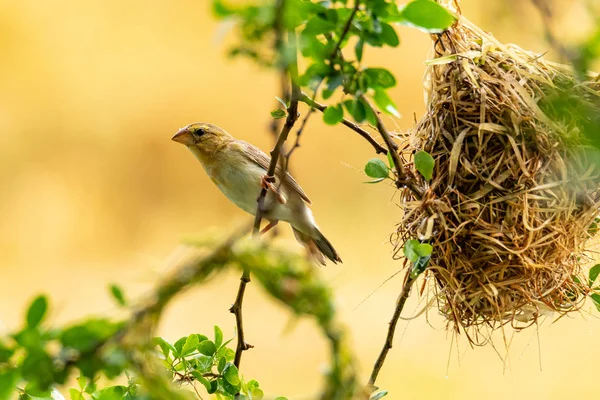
379, 149
408, 282
402, 179
236, 309
292, 116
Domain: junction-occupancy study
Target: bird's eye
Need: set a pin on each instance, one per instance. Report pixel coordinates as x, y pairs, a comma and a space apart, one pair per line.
200, 131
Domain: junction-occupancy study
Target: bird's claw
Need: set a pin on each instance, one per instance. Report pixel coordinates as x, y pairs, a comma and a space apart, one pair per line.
266, 182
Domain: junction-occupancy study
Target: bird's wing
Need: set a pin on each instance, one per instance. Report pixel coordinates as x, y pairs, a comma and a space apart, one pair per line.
260, 158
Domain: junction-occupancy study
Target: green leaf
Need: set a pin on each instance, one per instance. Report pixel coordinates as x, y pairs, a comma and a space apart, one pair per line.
419, 266
379, 78
201, 379
375, 168
385, 103
356, 109
36, 311
375, 180
388, 35
190, 345
359, 49
5, 353
317, 26
214, 385
207, 348
221, 10
278, 113
596, 299
75, 394
231, 374
424, 163
204, 363
111, 393
333, 114
378, 395
8, 381
86, 335
593, 274
218, 336
413, 249
221, 365
409, 250
117, 294
165, 347
426, 15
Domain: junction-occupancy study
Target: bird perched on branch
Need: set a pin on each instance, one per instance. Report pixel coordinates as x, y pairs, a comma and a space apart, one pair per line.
239, 170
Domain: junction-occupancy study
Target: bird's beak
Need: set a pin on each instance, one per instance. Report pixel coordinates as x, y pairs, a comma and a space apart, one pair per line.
184, 137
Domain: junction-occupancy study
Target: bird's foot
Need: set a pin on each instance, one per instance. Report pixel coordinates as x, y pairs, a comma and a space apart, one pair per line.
266, 182
269, 227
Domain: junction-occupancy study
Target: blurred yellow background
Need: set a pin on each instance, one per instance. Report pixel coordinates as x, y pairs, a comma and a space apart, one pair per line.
92, 191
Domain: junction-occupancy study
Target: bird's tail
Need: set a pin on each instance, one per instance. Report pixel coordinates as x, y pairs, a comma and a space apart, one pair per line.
317, 246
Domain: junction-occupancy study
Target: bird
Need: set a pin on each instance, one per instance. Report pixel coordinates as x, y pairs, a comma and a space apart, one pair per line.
239, 170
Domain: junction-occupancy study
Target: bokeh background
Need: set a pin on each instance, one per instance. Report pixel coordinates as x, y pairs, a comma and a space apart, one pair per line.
92, 191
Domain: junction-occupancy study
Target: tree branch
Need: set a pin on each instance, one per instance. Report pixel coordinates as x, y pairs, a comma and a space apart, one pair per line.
403, 180
356, 128
408, 281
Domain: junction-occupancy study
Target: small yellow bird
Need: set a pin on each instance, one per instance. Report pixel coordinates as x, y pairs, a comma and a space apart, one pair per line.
239, 170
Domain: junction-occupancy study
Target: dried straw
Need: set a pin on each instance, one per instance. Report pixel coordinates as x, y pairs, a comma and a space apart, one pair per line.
513, 194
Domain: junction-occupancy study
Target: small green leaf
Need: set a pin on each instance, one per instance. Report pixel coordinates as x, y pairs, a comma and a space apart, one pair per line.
221, 365
165, 347
231, 375
75, 394
178, 345
596, 299
356, 109
594, 272
36, 311
378, 395
375, 180
117, 294
380, 77
333, 114
358, 49
190, 345
207, 348
426, 15
409, 250
376, 168
384, 102
201, 379
424, 163
389, 36
218, 336
278, 113
214, 385
413, 249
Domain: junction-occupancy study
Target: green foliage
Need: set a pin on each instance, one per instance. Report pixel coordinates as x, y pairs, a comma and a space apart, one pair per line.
424, 163
375, 168
324, 30
419, 254
278, 113
426, 15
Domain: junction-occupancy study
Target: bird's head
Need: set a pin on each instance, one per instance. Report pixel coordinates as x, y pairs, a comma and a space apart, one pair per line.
205, 137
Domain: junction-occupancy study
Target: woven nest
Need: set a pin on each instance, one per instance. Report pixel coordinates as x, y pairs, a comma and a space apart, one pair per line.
514, 192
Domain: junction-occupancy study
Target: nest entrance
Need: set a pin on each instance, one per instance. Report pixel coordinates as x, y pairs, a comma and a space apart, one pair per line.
514, 192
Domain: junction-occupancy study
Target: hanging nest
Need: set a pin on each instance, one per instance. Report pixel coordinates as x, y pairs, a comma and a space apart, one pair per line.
514, 193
